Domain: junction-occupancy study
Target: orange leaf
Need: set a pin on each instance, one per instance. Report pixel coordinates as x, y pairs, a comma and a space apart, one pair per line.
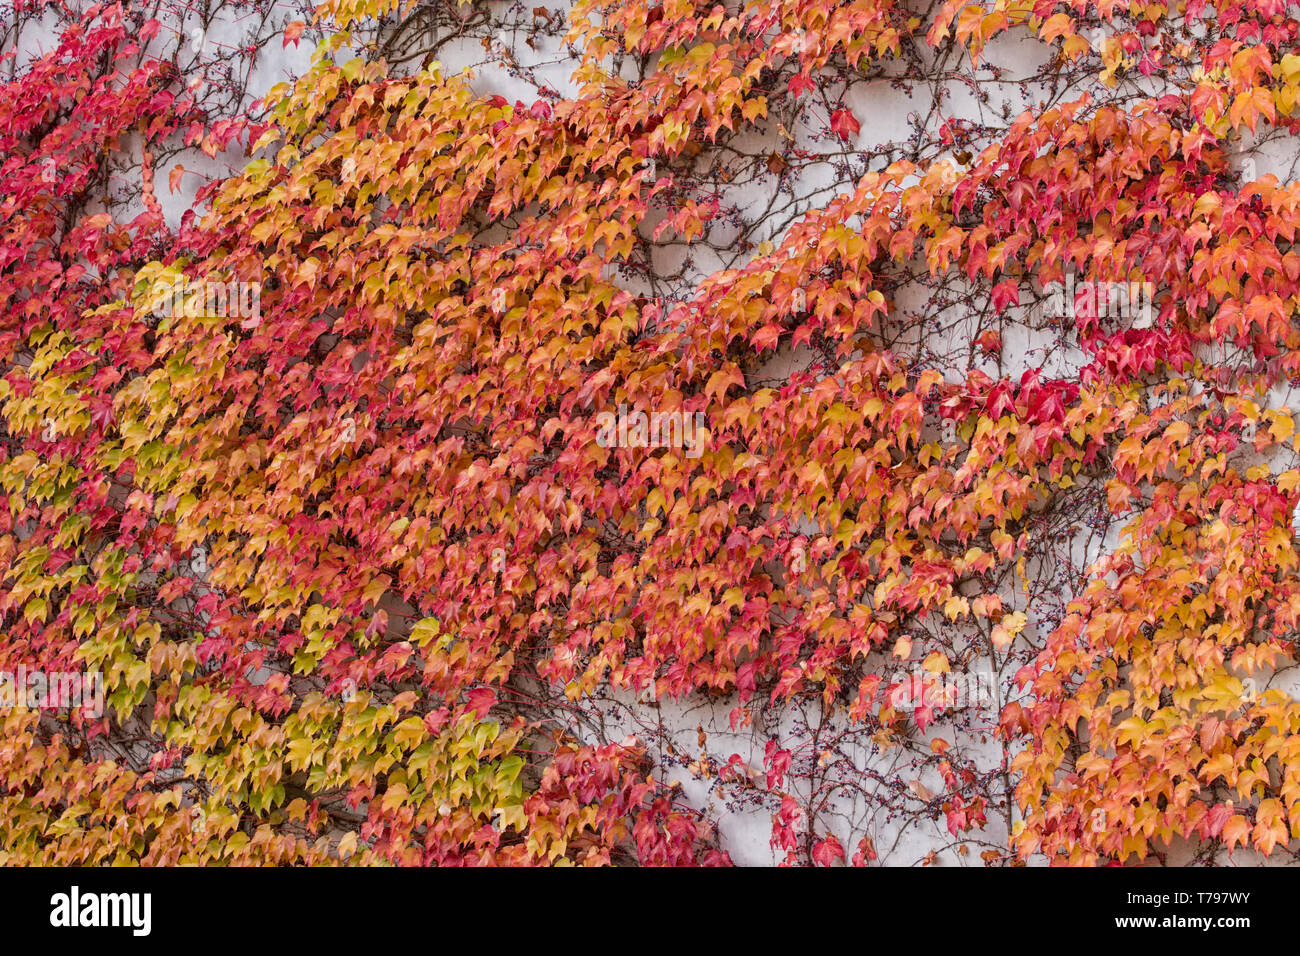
1236, 830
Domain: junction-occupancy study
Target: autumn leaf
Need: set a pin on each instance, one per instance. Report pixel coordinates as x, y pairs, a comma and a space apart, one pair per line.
828, 851
844, 124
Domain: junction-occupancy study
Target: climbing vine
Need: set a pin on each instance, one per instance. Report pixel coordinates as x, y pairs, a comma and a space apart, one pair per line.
460, 480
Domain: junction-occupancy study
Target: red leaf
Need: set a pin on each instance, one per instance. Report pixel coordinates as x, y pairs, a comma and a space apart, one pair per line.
845, 125
990, 340
1006, 293
866, 851
778, 762
481, 700
801, 83
435, 720
766, 337
292, 32
956, 821
827, 851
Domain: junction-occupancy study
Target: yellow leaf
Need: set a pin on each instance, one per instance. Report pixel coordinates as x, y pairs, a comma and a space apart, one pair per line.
1001, 637
1014, 622
936, 663
376, 588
